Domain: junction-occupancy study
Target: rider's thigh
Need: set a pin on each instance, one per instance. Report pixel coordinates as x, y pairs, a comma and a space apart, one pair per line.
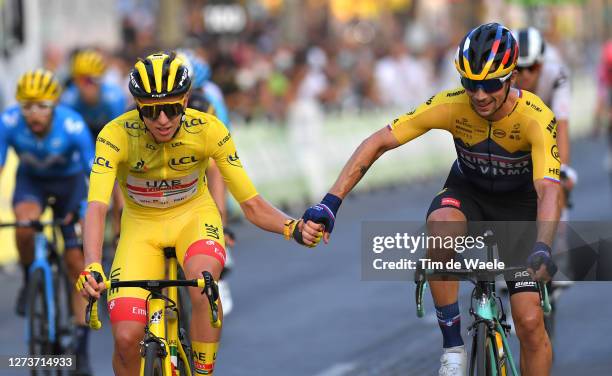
139, 256
200, 245
27, 210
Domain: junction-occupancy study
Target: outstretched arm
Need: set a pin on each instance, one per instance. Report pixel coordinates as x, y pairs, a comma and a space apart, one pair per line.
363, 157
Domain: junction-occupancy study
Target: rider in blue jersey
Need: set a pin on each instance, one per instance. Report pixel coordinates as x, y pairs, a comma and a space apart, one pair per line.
56, 152
98, 101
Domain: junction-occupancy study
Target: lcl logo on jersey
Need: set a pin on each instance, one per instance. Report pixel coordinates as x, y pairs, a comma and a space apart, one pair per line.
134, 129
234, 160
182, 163
101, 161
193, 125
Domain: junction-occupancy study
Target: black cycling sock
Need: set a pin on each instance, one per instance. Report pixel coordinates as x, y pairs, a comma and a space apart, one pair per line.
82, 336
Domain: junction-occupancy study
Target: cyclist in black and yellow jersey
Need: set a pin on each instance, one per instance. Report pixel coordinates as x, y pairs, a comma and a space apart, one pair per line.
507, 169
158, 153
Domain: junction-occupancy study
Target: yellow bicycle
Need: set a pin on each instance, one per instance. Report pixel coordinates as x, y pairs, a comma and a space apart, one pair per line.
165, 348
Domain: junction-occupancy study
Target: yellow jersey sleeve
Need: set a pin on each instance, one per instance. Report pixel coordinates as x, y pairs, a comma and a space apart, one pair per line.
111, 150
542, 134
433, 114
222, 149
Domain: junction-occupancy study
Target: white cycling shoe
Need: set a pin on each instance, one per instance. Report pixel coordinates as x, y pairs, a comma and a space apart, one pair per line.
453, 362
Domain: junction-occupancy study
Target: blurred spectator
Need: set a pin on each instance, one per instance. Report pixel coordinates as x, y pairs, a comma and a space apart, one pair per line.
308, 90
403, 80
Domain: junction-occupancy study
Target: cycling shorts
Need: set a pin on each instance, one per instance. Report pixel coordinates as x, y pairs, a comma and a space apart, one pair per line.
70, 194
511, 216
140, 253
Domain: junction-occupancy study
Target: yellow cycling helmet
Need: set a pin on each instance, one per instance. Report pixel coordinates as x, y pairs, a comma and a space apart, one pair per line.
38, 85
159, 75
488, 51
88, 63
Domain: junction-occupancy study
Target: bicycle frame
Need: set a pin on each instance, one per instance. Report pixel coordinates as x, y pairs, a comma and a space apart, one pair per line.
487, 310
41, 262
486, 307
163, 325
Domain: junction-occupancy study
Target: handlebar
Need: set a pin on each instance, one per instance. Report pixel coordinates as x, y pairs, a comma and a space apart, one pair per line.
472, 276
207, 284
39, 225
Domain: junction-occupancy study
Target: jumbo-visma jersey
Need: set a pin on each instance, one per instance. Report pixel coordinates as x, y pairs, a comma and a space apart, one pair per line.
155, 177
495, 156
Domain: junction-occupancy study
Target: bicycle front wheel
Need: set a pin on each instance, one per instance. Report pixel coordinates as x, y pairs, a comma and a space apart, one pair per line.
480, 360
153, 365
37, 313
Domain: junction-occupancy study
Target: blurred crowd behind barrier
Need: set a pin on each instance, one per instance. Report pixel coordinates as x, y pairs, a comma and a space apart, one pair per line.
304, 80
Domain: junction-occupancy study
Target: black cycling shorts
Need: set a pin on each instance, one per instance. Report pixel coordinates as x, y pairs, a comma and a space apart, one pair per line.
511, 216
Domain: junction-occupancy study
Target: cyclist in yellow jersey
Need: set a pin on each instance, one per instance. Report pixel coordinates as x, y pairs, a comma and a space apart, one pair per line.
158, 153
507, 169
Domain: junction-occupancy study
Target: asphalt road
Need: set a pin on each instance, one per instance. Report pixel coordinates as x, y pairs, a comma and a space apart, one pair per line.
302, 311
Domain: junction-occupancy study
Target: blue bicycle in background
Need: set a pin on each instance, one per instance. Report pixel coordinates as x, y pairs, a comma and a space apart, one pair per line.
49, 318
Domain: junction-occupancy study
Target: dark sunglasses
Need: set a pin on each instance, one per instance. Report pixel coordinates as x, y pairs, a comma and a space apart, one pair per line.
532, 68
489, 86
152, 111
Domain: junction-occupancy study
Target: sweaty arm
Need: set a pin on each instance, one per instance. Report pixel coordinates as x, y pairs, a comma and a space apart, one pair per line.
402, 130
257, 210
546, 170
111, 150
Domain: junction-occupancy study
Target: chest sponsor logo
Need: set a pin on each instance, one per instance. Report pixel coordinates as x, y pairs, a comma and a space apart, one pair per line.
182, 163
162, 193
494, 165
499, 133
150, 146
176, 144
49, 161
193, 125
534, 106
234, 160
139, 167
455, 93
134, 129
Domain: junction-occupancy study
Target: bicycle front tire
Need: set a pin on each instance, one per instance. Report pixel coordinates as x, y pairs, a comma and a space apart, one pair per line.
482, 352
153, 365
37, 313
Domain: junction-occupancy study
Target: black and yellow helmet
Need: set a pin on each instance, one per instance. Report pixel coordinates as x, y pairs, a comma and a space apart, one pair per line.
39, 85
488, 51
158, 76
88, 63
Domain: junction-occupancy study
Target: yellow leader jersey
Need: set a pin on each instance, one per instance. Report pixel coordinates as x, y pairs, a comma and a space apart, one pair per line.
160, 177
495, 156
